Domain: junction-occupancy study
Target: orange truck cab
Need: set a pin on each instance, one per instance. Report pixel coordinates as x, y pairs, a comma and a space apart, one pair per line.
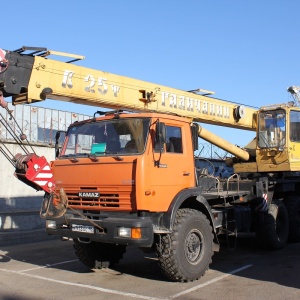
118, 172
130, 179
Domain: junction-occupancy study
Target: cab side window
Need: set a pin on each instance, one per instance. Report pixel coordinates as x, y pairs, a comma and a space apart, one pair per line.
295, 126
174, 139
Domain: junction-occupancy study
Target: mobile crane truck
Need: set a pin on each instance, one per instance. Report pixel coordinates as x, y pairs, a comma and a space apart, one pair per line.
128, 176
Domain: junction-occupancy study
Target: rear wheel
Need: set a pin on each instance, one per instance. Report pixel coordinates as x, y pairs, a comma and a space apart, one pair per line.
98, 255
292, 204
272, 231
186, 253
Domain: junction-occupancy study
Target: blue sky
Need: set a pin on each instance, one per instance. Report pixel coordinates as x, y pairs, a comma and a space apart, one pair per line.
246, 51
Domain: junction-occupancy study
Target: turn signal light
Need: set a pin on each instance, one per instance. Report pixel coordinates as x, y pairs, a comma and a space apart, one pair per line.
136, 233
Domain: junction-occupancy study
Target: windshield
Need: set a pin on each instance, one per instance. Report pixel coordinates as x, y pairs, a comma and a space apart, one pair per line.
105, 137
272, 129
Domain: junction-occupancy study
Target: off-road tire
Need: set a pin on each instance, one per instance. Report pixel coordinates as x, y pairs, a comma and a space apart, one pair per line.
98, 255
292, 204
273, 232
185, 254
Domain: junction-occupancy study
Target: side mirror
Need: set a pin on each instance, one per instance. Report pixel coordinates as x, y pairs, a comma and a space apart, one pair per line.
195, 135
57, 145
160, 140
160, 132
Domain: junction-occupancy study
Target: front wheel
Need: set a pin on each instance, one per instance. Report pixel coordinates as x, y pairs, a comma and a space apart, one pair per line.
186, 253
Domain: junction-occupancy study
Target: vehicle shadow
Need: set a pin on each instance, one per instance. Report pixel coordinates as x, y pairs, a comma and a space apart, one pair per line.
43, 254
4, 258
280, 267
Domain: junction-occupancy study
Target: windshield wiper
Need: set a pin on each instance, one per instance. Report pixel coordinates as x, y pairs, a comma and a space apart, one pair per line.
117, 157
92, 156
73, 157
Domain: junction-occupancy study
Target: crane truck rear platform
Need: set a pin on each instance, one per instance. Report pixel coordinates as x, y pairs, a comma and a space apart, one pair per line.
124, 179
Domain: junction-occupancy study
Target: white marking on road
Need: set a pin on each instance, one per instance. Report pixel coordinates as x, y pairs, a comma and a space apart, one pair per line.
49, 266
109, 291
209, 282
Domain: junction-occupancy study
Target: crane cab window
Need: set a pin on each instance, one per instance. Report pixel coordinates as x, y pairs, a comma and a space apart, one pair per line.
173, 139
272, 129
295, 126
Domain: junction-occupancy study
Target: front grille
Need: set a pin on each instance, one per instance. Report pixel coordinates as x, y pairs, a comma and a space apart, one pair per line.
105, 200
124, 200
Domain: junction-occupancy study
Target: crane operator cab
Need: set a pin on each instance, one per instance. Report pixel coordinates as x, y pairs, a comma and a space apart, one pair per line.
278, 138
278, 127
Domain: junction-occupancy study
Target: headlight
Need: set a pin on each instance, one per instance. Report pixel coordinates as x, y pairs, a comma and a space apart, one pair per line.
124, 232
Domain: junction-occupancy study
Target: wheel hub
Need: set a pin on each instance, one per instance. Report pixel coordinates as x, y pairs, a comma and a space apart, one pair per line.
193, 246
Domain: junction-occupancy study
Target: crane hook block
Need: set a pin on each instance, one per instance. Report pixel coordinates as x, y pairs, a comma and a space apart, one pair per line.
34, 171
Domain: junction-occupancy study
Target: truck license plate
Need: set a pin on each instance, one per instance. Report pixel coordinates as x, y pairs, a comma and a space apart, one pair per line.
82, 228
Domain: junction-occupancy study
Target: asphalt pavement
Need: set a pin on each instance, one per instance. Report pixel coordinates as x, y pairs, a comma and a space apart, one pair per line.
50, 270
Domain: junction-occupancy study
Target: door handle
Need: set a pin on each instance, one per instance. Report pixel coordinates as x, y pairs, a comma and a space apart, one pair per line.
186, 173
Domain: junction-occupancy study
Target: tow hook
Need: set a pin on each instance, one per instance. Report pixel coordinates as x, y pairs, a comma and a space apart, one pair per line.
84, 240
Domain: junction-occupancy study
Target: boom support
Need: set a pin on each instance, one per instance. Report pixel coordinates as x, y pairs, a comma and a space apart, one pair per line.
223, 144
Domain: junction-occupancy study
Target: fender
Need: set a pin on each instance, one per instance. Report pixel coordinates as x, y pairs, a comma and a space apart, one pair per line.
185, 195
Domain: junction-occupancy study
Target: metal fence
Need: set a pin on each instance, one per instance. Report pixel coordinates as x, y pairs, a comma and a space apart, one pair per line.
39, 124
211, 151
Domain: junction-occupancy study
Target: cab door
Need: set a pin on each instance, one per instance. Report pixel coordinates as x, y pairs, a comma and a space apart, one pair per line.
294, 140
170, 170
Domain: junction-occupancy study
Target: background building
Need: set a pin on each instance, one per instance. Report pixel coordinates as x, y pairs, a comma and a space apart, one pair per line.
20, 204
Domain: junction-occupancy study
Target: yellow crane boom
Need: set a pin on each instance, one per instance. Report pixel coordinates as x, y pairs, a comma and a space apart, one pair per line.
33, 77
54, 79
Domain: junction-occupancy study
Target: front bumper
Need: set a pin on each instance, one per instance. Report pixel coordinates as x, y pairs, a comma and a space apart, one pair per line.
110, 226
